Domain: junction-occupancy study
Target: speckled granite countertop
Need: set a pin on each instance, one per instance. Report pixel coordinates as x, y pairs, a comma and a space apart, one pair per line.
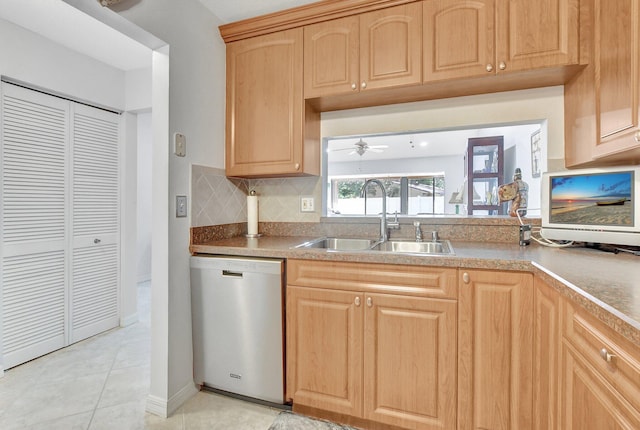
606, 284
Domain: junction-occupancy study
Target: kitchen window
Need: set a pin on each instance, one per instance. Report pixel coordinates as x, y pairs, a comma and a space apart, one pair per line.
406, 195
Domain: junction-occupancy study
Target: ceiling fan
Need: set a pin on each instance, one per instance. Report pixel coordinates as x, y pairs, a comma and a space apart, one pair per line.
361, 147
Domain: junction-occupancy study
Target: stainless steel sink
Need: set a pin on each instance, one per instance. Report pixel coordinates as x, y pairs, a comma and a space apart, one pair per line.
441, 247
339, 244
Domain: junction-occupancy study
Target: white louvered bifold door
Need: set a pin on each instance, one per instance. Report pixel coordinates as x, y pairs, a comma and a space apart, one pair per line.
95, 262
34, 137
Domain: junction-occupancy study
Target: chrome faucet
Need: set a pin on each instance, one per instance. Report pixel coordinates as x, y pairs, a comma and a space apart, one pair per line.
418, 231
384, 235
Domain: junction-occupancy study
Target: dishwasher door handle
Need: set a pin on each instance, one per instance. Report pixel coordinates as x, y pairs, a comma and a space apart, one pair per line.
232, 273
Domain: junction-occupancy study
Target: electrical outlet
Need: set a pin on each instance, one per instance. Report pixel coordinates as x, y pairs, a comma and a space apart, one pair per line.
307, 204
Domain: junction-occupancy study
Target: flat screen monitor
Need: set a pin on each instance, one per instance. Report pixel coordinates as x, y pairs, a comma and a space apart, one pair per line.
592, 205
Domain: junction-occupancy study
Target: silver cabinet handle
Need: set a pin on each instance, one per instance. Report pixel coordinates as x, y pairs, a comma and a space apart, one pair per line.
466, 278
363, 84
502, 65
369, 301
606, 356
354, 86
96, 241
489, 68
357, 301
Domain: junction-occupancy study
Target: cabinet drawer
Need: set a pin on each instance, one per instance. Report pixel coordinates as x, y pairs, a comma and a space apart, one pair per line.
593, 341
437, 282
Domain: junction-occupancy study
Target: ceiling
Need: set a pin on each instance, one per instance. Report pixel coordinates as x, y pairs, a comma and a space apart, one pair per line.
236, 10
69, 27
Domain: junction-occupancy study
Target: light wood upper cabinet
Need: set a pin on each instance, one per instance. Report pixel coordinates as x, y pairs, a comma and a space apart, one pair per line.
602, 103
484, 37
495, 368
269, 129
600, 375
379, 49
459, 38
379, 358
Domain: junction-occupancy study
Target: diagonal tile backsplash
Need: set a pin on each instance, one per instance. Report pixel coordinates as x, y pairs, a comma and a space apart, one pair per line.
218, 200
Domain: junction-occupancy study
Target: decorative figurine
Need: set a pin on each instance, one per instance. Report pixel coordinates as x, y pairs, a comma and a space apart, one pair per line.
517, 193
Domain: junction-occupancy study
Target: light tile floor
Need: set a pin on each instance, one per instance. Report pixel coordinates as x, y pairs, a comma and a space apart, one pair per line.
103, 383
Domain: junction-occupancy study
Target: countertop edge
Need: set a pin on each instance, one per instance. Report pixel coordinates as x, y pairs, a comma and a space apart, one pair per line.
623, 324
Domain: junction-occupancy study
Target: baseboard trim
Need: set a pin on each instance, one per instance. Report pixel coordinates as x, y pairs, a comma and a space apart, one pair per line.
157, 406
128, 320
164, 408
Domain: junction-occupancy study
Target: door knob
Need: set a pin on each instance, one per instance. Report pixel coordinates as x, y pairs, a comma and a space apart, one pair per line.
489, 67
502, 65
354, 86
363, 85
369, 301
466, 278
357, 301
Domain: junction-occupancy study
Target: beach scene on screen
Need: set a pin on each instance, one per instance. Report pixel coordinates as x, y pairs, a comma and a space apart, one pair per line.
597, 199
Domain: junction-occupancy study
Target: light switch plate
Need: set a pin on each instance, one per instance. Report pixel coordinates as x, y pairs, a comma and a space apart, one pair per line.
307, 204
181, 206
180, 144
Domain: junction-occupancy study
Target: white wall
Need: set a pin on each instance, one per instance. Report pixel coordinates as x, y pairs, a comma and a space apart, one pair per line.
196, 109
37, 61
145, 212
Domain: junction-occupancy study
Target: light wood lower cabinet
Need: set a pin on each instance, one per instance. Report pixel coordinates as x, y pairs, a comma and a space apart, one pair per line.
546, 356
376, 357
600, 375
324, 349
495, 350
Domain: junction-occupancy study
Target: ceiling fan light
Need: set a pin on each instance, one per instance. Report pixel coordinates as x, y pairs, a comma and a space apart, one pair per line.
105, 3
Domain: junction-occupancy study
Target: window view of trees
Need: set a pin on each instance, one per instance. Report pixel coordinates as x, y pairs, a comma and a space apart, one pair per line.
405, 195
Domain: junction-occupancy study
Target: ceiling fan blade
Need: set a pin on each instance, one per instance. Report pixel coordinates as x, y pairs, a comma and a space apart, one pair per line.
378, 146
374, 150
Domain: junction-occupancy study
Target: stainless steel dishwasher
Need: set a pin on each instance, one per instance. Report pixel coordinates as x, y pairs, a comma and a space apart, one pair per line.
237, 311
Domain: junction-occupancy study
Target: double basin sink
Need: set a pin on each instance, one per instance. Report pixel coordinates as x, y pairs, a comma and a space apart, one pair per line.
440, 247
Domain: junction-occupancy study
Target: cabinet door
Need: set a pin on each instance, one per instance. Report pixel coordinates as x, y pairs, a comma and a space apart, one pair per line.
265, 106
391, 47
495, 330
536, 34
618, 76
409, 373
459, 38
546, 356
331, 57
324, 349
95, 263
589, 403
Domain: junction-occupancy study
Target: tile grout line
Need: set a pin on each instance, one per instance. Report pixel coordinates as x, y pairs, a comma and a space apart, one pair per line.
93, 413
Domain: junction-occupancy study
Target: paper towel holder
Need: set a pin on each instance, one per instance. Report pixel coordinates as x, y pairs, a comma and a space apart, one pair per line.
254, 235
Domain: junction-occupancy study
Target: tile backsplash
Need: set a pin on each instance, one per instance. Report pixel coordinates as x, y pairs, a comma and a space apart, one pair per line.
218, 200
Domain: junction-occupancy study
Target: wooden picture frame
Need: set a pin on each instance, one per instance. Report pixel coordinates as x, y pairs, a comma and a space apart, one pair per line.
536, 155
